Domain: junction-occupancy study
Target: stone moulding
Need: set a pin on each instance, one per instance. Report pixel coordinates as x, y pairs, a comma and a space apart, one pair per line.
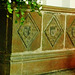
58, 9
22, 57
43, 61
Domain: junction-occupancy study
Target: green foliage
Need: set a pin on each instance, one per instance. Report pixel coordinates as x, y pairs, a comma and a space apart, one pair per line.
7, 16
22, 13
18, 15
9, 7
28, 4
15, 21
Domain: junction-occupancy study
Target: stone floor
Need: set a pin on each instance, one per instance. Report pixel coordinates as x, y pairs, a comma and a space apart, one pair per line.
62, 72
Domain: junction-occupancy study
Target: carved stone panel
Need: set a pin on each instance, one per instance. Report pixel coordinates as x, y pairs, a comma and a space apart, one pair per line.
28, 31
27, 37
53, 31
70, 35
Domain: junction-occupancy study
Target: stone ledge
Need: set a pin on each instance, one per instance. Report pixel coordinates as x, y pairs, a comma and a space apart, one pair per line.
58, 9
17, 57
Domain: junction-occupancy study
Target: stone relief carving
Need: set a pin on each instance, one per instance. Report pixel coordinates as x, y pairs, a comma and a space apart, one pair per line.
53, 31
28, 31
71, 32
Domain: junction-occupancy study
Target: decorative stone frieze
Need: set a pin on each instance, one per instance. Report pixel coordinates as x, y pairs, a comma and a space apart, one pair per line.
53, 31
42, 44
29, 31
70, 31
28, 36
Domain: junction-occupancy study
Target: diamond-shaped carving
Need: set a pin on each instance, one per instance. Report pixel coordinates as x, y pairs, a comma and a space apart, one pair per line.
28, 31
53, 31
71, 32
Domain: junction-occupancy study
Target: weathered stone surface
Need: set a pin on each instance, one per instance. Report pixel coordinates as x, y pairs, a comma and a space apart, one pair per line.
53, 31
43, 62
45, 66
70, 32
26, 49
27, 37
16, 69
62, 72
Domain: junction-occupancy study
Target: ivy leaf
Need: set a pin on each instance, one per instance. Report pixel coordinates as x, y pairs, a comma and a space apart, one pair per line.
17, 0
22, 19
21, 23
39, 13
34, 3
32, 10
17, 10
10, 10
29, 2
18, 15
7, 2
38, 6
22, 13
15, 21
7, 16
8, 5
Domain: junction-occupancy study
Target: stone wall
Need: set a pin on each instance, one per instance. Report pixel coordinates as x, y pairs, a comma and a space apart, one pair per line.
43, 44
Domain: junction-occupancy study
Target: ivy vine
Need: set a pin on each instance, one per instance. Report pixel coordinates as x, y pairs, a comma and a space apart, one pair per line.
25, 4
